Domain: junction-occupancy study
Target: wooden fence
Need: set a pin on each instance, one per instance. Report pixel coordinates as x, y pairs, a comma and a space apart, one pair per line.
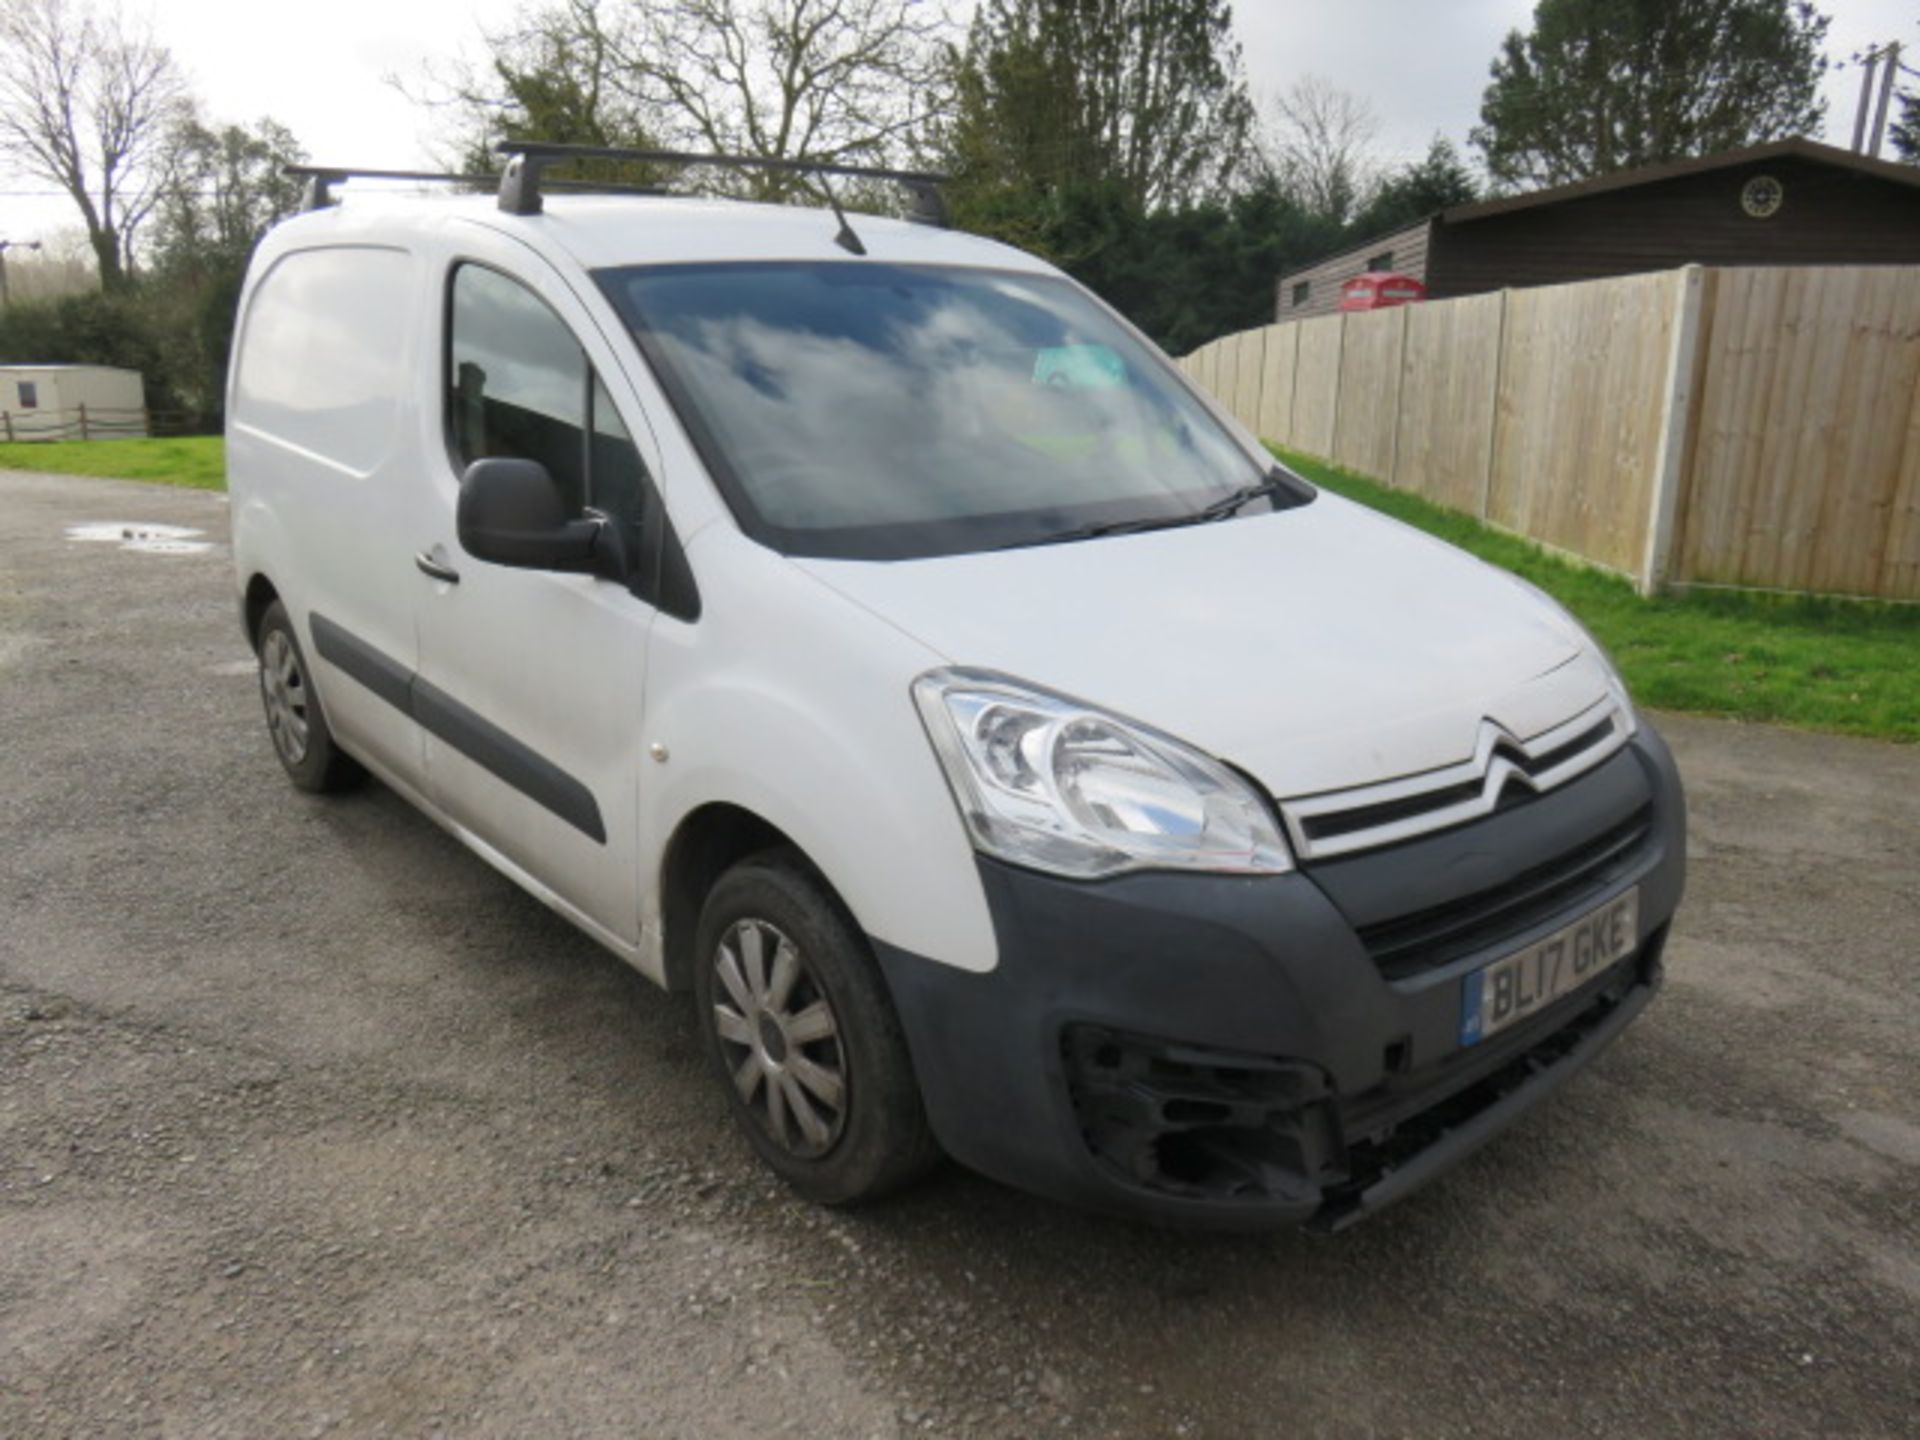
97, 422
1757, 428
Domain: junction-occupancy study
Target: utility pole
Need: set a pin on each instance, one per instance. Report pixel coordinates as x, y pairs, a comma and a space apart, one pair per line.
1883, 62
1871, 60
1887, 77
6, 245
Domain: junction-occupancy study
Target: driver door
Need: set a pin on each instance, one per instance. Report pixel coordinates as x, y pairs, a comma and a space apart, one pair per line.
532, 682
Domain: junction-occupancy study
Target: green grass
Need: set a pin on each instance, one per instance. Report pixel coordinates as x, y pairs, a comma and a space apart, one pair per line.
1840, 665
196, 461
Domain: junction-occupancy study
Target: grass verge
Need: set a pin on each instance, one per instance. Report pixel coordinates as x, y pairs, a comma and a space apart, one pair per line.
1842, 665
196, 461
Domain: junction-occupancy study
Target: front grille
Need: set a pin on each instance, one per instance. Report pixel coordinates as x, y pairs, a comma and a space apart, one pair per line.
1427, 802
1408, 944
1504, 771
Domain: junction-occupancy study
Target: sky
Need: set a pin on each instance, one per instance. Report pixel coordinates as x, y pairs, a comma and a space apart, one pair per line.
325, 70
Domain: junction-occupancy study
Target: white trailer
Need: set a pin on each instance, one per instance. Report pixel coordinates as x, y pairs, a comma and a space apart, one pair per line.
71, 402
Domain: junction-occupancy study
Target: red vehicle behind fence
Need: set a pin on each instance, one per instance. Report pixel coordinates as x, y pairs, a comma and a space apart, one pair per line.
1379, 290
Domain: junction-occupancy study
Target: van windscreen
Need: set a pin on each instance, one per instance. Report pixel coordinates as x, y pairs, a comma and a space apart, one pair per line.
863, 410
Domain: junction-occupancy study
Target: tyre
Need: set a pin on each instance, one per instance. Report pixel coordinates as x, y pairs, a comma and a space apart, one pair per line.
803, 1037
295, 720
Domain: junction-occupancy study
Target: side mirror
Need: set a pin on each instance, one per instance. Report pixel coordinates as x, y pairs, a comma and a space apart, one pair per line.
511, 513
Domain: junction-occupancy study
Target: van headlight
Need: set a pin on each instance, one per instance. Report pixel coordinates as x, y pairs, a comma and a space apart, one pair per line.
1046, 782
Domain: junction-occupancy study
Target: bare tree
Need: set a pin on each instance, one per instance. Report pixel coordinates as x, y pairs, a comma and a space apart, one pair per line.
550, 73
836, 80
90, 100
833, 80
1323, 148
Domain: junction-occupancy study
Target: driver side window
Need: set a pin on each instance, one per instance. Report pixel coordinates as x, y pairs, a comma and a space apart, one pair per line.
520, 387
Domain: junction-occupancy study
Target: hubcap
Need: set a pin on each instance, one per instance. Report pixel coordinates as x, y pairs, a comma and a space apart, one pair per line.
781, 1039
284, 689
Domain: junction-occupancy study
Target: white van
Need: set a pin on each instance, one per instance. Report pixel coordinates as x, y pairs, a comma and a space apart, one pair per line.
859, 625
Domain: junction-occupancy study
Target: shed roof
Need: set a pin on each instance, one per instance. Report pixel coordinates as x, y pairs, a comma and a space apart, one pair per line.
1674, 169
1799, 149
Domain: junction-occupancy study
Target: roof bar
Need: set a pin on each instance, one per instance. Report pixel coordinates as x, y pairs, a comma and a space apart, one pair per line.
520, 184
321, 178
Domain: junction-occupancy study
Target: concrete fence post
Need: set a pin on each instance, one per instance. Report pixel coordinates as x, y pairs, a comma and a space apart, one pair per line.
1676, 428
7, 416
83, 422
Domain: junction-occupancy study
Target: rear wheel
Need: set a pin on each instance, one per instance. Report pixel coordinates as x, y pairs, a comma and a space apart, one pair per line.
295, 720
803, 1036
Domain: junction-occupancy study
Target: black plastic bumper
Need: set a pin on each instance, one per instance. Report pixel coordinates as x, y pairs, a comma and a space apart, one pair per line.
1230, 1052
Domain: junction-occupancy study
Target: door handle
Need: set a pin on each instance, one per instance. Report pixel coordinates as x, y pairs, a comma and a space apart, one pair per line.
427, 565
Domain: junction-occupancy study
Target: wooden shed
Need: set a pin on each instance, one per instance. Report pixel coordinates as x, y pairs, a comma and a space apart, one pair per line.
71, 402
1790, 202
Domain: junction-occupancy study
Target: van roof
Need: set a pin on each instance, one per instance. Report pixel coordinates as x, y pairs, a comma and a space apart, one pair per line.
600, 231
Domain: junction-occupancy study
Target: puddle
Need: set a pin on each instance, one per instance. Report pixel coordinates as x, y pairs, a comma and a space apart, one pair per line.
168, 546
142, 536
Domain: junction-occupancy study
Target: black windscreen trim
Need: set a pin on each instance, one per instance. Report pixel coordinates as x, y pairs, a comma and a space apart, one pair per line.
464, 728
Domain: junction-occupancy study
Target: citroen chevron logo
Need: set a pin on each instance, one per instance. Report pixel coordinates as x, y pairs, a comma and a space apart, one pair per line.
1336, 822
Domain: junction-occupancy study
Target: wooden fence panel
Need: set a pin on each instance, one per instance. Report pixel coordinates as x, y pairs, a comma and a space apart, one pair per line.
1250, 363
1370, 356
1449, 371
1227, 371
1791, 459
1580, 414
1276, 384
1802, 468
1900, 569
1316, 384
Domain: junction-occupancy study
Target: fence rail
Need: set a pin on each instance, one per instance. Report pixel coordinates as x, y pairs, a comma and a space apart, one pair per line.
94, 422
1756, 428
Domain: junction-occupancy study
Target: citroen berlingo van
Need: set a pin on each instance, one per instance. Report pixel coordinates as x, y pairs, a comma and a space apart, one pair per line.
858, 625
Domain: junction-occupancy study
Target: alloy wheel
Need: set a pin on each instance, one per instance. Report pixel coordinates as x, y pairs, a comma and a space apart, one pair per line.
284, 689
781, 1038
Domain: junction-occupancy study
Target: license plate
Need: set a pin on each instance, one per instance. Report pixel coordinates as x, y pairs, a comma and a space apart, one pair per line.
1508, 991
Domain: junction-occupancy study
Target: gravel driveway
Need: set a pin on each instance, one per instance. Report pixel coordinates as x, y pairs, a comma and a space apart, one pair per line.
311, 1124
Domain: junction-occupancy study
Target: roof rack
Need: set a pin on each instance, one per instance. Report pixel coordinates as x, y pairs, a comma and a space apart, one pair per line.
322, 178
521, 183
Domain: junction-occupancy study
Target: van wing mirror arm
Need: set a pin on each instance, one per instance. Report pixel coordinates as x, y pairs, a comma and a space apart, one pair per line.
607, 548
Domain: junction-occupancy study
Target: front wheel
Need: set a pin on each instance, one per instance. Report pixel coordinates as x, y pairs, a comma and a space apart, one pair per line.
295, 721
802, 1034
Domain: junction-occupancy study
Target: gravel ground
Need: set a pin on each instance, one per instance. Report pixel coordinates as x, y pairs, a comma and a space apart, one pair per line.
311, 1124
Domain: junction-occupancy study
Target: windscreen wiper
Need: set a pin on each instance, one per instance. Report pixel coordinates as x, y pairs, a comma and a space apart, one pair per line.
1274, 484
